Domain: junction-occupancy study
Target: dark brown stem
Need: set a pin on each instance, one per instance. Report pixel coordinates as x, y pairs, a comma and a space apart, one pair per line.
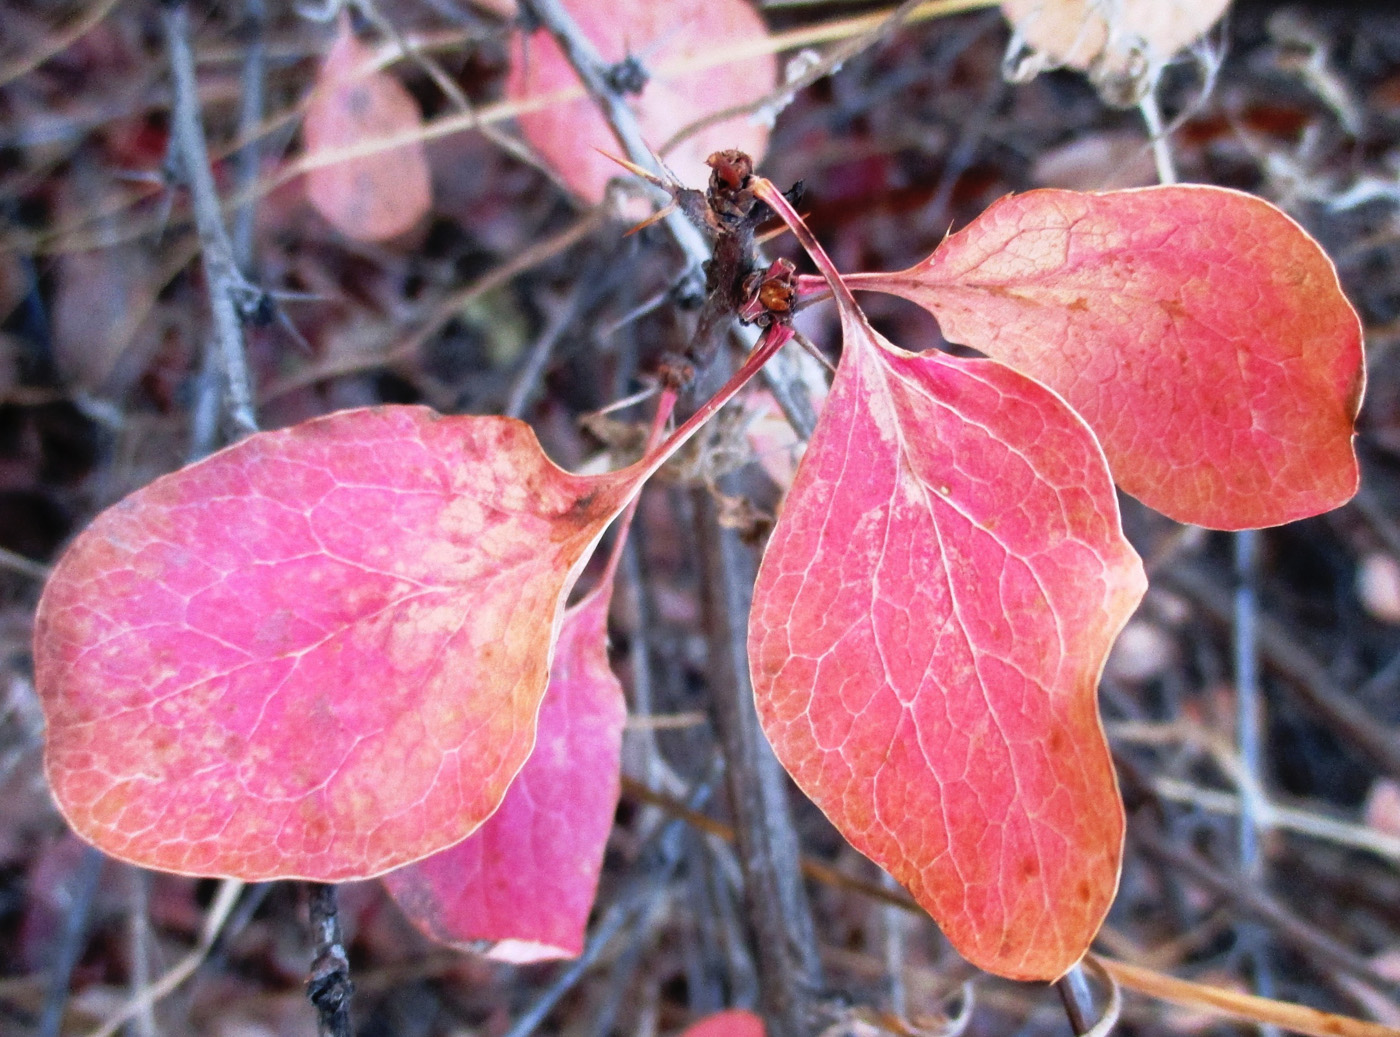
328, 986
593, 71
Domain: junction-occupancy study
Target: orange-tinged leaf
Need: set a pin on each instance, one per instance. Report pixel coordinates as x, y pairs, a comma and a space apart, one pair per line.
931, 617
710, 36
318, 653
520, 887
734, 1022
1199, 331
376, 196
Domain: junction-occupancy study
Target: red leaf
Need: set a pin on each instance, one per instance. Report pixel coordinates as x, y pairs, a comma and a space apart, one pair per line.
1199, 331
930, 621
375, 196
318, 653
523, 883
733, 1023
666, 38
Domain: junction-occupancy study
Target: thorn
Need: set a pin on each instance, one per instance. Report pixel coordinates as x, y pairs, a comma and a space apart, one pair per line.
637, 170
656, 217
771, 235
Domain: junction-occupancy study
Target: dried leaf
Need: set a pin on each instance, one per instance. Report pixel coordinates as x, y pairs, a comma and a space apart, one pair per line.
1117, 42
376, 196
319, 653
665, 36
1199, 331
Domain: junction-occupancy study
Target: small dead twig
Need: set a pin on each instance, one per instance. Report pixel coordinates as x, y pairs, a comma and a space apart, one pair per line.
214, 920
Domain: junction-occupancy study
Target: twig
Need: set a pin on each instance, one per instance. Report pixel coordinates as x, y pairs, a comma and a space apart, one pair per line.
1244, 1007
17, 563
250, 113
218, 913
329, 987
1285, 924
139, 935
1303, 673
829, 63
70, 942
1270, 815
1248, 707
1078, 999
445, 310
230, 294
592, 70
57, 43
1159, 135
892, 920
784, 937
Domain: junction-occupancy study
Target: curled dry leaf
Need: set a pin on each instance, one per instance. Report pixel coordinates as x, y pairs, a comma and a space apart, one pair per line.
520, 887
1121, 44
376, 196
703, 56
929, 624
319, 653
1199, 331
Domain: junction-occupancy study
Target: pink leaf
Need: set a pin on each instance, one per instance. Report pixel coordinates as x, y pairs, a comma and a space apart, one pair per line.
376, 196
703, 56
1199, 331
318, 653
732, 1023
520, 888
930, 621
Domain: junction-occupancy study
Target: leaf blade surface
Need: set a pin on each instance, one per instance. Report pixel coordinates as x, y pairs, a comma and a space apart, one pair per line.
930, 620
520, 888
318, 653
1199, 331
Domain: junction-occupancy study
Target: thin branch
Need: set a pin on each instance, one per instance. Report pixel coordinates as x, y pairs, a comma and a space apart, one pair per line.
784, 937
17, 563
593, 71
224, 899
1287, 926
58, 43
70, 942
450, 306
252, 80
329, 987
1247, 1008
1309, 678
1078, 1000
230, 293
830, 63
